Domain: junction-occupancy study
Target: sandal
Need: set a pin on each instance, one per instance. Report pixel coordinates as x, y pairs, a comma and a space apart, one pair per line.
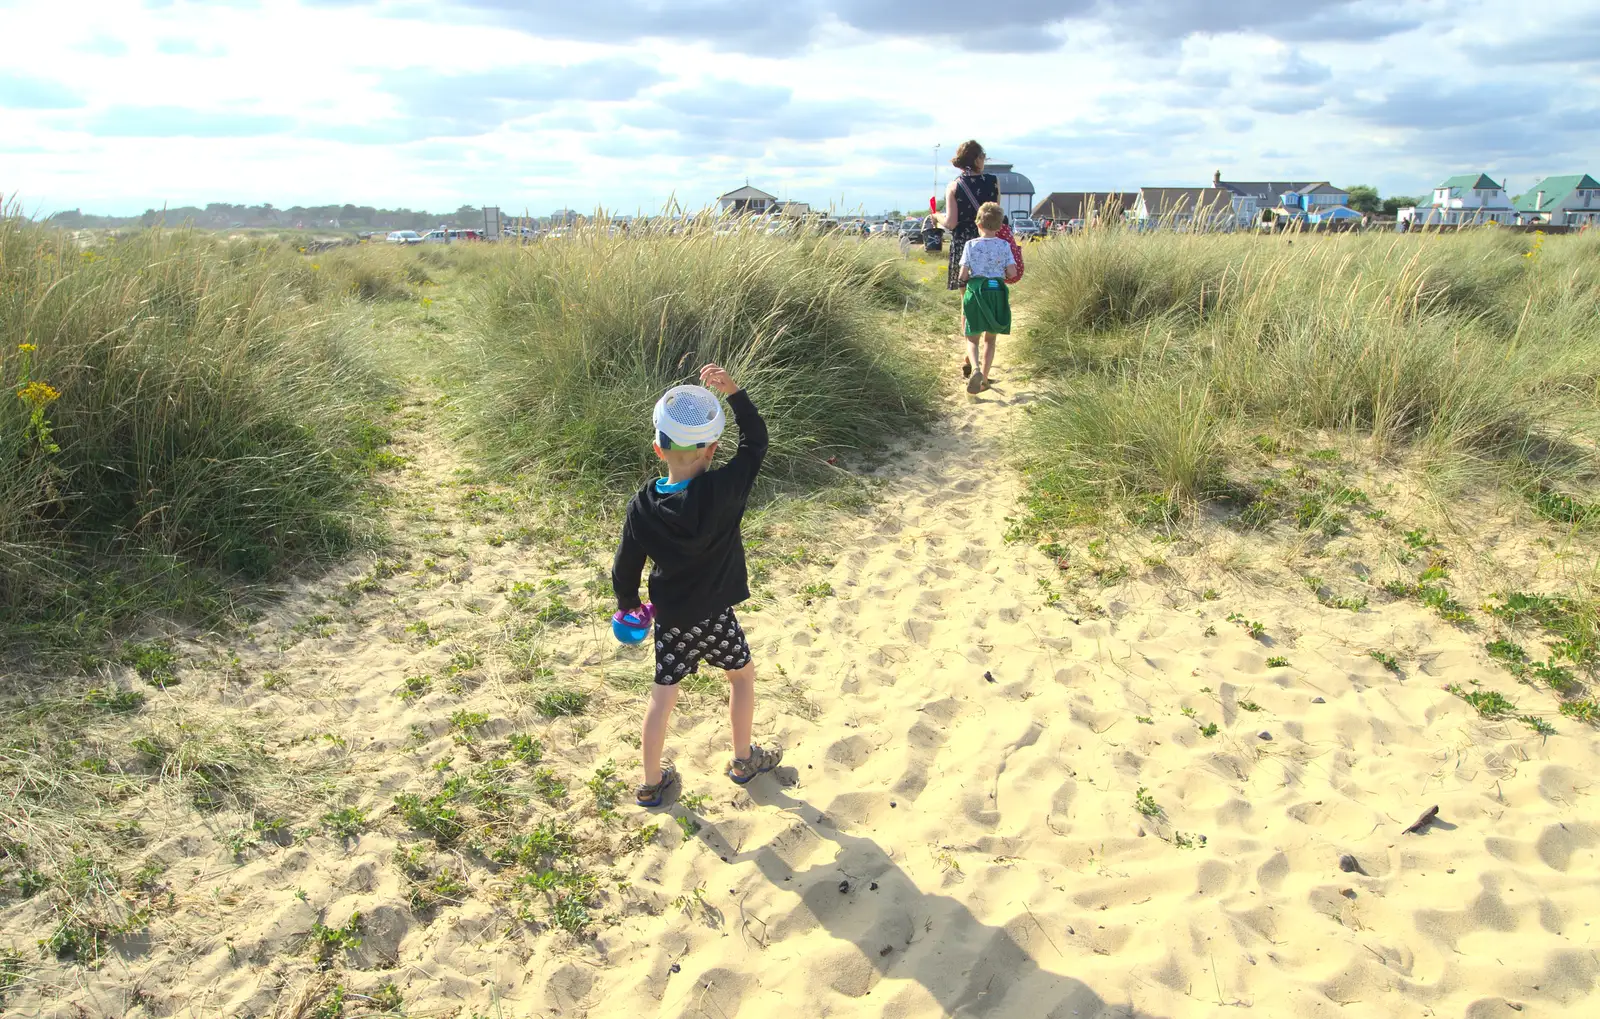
653, 795
743, 769
966, 369
975, 384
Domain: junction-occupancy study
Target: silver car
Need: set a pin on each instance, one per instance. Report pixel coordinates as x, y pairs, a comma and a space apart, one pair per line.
1024, 226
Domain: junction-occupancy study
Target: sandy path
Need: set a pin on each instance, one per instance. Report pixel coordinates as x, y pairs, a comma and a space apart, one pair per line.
957, 829
962, 836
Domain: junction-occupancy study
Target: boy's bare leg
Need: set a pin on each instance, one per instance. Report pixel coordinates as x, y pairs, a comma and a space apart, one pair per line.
654, 739
988, 352
972, 350
742, 707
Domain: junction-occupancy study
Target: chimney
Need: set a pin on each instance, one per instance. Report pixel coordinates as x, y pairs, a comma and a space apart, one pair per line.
1216, 178
1538, 201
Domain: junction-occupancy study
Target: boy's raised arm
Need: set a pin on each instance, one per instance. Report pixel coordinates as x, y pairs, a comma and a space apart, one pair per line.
626, 569
746, 462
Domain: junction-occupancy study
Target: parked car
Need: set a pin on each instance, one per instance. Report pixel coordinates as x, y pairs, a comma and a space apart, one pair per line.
1023, 225
447, 236
404, 237
911, 231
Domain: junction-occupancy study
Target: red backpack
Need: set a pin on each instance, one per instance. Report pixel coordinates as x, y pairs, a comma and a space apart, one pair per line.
1004, 233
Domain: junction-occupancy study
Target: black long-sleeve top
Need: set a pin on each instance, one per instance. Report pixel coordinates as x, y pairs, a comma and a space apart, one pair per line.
692, 535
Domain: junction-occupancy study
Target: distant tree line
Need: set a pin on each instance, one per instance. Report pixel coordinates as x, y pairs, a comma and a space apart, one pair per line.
222, 216
1364, 198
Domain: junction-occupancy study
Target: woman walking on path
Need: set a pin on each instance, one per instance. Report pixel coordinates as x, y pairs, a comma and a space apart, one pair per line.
967, 193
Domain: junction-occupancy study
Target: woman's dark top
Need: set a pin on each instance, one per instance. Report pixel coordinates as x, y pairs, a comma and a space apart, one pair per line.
985, 187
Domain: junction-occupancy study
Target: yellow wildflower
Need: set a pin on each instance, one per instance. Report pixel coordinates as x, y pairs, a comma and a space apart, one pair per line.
315, 267
26, 348
38, 394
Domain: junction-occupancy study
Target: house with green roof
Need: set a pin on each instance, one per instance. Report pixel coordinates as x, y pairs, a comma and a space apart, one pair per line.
1571, 200
1466, 199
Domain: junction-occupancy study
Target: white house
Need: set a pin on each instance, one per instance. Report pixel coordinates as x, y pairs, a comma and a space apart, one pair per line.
746, 201
1465, 199
1016, 191
1573, 200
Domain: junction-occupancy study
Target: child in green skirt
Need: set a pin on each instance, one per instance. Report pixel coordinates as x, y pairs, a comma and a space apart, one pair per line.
986, 266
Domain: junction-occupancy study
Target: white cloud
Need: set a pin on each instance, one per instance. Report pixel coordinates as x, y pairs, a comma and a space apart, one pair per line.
628, 102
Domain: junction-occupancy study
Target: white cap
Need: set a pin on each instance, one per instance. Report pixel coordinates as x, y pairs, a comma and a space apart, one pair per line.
688, 416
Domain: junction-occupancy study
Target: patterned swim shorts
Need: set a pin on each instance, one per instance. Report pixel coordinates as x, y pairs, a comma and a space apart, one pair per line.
718, 641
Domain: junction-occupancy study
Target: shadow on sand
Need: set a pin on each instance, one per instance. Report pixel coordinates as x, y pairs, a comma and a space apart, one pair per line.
968, 967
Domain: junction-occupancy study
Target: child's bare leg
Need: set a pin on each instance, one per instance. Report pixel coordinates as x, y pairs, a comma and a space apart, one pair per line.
742, 707
972, 350
988, 352
654, 739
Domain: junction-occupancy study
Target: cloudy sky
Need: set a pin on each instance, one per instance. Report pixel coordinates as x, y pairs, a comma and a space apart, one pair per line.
115, 106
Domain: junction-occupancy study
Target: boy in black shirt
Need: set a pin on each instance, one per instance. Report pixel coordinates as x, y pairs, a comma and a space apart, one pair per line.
688, 524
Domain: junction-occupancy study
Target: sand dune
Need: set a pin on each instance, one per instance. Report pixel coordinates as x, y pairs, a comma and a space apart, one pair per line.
958, 829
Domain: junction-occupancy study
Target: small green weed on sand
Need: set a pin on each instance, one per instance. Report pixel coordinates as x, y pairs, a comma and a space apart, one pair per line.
433, 815
345, 823
548, 786
331, 1007
413, 687
325, 940
605, 786
1574, 624
1489, 703
1562, 508
468, 723
387, 998
1145, 804
154, 661
638, 838
813, 592
1511, 654
1254, 627
560, 703
570, 914
1277, 662
1586, 711
1385, 659
1209, 730
525, 748
1537, 724
10, 971
116, 701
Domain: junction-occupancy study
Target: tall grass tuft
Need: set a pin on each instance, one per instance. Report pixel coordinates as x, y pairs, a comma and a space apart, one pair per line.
578, 337
171, 403
1473, 353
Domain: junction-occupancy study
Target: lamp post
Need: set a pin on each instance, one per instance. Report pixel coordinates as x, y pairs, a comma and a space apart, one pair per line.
936, 171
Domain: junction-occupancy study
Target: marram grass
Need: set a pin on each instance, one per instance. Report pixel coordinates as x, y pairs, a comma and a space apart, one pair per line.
201, 414
1473, 354
576, 339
